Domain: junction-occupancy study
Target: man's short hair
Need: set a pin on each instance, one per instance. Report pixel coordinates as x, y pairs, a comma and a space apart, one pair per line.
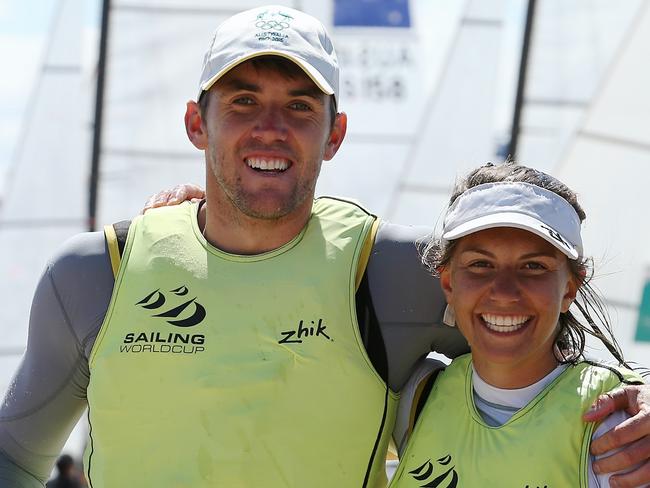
284, 67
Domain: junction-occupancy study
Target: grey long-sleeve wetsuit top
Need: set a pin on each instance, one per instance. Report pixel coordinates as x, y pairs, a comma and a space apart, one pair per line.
48, 393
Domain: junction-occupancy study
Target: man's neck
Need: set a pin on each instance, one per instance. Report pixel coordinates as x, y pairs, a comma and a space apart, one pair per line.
236, 233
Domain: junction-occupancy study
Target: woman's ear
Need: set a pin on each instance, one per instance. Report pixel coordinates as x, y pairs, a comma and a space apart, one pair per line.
445, 282
570, 293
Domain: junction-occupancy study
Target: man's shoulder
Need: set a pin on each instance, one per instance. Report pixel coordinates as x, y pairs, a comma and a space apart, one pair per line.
85, 252
399, 246
398, 279
401, 238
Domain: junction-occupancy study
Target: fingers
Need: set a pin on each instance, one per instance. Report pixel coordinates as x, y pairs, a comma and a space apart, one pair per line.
176, 195
606, 404
635, 455
635, 478
625, 433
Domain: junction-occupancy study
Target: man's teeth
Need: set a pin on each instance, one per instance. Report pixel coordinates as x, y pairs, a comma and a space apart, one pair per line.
504, 323
265, 164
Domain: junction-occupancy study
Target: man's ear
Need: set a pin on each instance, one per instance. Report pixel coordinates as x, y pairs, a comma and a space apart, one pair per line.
194, 125
337, 134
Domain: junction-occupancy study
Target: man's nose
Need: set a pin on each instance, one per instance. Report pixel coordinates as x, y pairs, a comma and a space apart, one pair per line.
271, 125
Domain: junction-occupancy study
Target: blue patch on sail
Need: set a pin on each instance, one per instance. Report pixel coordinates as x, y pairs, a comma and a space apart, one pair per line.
643, 323
372, 13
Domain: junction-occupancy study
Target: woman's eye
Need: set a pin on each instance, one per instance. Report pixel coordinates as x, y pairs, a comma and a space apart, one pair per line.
479, 264
534, 266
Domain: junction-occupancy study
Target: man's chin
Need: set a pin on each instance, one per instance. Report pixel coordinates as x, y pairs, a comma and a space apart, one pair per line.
274, 206
268, 210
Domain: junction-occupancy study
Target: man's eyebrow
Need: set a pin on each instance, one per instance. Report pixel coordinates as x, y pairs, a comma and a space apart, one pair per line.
236, 84
311, 92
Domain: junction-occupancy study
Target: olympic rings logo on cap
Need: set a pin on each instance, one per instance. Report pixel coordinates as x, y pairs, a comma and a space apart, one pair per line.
271, 25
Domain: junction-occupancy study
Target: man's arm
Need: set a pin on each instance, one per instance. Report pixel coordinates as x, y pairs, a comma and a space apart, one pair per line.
48, 392
408, 302
633, 435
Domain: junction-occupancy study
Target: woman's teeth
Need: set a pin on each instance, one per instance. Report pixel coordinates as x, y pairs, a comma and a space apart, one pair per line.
504, 323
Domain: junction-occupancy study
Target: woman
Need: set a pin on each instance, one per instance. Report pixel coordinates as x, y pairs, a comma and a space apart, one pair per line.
512, 269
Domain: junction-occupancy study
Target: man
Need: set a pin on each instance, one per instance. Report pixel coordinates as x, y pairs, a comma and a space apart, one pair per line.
67, 476
243, 344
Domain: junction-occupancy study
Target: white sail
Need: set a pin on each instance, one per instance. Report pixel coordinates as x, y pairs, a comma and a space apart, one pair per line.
413, 95
424, 98
45, 194
608, 162
572, 47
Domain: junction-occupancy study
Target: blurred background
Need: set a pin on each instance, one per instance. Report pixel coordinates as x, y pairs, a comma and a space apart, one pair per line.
92, 97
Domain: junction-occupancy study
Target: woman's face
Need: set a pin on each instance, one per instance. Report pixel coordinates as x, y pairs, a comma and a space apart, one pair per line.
507, 287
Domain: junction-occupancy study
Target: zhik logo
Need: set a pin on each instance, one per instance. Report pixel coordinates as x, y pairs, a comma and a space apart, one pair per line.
296, 336
424, 472
156, 299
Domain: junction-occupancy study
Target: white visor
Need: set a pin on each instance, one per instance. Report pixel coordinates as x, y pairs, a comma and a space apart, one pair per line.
519, 205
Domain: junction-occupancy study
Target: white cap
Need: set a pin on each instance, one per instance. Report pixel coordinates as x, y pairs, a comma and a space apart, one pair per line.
516, 204
278, 31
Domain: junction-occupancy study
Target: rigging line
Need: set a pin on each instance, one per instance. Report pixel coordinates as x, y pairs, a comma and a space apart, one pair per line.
379, 138
44, 223
152, 154
93, 180
62, 68
618, 141
173, 10
30, 108
411, 151
556, 102
621, 304
483, 22
636, 22
11, 351
426, 189
536, 130
521, 82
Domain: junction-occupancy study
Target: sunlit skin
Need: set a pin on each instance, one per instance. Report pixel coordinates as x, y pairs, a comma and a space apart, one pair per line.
259, 113
509, 272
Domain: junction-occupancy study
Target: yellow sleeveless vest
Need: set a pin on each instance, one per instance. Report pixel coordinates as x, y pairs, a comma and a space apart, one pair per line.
545, 444
220, 370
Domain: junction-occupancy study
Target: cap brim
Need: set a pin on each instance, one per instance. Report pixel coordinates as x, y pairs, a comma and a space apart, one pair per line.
518, 221
309, 70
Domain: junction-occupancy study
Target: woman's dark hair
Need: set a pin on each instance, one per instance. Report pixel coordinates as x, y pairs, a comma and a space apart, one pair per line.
594, 319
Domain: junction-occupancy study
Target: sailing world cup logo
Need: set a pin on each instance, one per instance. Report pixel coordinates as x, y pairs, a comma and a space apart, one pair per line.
276, 21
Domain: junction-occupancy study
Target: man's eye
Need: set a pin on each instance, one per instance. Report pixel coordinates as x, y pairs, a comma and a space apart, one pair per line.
243, 101
479, 264
534, 266
303, 107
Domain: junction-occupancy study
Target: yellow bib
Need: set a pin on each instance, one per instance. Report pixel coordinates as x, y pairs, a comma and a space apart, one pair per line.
221, 370
546, 443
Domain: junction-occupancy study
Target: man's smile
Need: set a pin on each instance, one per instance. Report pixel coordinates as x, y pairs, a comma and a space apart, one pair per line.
268, 164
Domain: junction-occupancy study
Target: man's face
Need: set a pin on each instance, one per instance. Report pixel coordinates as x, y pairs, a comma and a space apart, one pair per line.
266, 137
